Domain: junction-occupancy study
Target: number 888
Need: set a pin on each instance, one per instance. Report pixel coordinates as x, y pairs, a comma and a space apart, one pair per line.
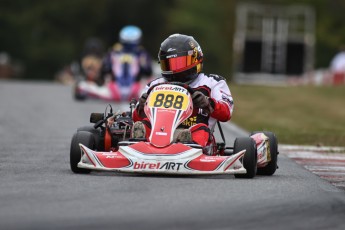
168, 101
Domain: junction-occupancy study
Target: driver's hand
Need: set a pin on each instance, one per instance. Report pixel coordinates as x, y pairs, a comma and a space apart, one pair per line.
202, 101
110, 121
141, 105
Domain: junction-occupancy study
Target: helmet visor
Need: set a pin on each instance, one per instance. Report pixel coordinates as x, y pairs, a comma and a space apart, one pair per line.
176, 63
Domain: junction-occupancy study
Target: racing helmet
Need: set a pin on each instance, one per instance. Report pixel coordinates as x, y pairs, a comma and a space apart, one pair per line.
130, 35
180, 57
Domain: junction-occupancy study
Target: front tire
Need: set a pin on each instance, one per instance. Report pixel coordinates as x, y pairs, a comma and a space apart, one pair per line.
86, 139
77, 95
250, 157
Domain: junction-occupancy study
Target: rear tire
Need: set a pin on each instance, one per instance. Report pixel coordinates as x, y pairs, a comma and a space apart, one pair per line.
96, 134
271, 167
79, 97
250, 157
86, 139
88, 128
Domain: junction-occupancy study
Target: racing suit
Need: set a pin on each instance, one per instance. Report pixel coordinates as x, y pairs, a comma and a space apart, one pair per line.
127, 61
126, 64
200, 123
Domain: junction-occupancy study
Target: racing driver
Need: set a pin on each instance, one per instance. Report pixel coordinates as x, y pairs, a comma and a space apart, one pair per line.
181, 59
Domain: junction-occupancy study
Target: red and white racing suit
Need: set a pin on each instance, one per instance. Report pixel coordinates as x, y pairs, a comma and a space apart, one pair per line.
200, 123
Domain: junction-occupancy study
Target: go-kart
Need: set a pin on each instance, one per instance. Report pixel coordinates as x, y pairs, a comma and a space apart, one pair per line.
111, 91
120, 85
108, 147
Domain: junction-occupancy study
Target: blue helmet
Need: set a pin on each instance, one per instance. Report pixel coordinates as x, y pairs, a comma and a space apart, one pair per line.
130, 35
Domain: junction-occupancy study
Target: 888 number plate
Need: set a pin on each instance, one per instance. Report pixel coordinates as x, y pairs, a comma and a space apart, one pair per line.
168, 100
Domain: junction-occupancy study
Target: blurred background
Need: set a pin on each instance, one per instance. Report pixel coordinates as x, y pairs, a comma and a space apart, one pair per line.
40, 38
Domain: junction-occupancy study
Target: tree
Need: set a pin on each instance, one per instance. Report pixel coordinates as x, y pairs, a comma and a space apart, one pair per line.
211, 22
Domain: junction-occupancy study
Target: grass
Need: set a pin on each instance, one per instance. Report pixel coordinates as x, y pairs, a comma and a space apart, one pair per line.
306, 115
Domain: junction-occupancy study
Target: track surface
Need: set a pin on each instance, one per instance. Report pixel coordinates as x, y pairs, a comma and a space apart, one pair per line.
326, 162
38, 190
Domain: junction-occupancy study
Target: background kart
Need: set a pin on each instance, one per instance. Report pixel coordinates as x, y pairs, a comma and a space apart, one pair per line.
121, 85
111, 148
111, 91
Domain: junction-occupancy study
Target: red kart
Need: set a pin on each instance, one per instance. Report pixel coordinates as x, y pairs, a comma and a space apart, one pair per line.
111, 91
110, 147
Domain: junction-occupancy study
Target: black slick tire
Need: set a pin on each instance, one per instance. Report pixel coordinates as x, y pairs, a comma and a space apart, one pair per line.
250, 157
86, 139
78, 96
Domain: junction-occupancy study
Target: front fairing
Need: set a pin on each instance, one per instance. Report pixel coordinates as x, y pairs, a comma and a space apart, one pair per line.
167, 107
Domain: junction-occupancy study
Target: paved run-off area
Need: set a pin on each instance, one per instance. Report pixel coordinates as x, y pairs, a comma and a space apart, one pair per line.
326, 162
39, 191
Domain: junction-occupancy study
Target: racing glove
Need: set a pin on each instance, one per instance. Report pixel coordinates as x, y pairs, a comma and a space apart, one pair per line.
203, 102
141, 105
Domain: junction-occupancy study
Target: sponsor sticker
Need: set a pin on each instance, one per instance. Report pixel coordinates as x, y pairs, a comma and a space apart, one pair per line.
159, 166
161, 134
172, 56
190, 121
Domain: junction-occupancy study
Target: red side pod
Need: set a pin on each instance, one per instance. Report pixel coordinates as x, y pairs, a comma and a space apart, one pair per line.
206, 163
113, 160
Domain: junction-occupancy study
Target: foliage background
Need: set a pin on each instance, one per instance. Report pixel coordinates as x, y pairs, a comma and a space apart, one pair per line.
47, 35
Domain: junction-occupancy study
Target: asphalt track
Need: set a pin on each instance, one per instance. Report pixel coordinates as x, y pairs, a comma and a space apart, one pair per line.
38, 190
